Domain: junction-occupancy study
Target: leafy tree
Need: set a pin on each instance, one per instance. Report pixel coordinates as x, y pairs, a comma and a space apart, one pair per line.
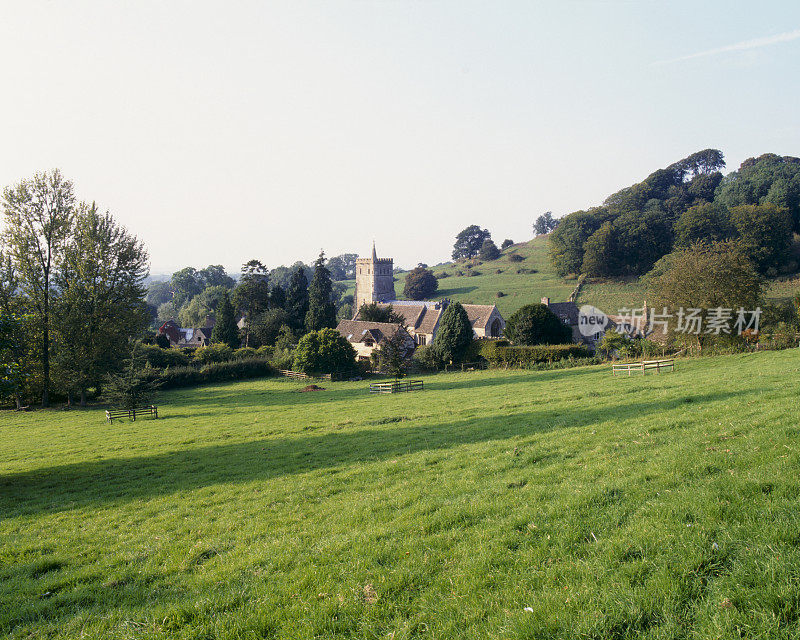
469, 242
454, 335
345, 311
703, 222
506, 244
536, 324
391, 357
489, 250
421, 284
266, 327
705, 276
225, 330
567, 240
376, 312
324, 351
204, 305
545, 223
252, 296
218, 352
159, 293
11, 367
38, 217
282, 276
321, 310
101, 305
17, 333
343, 267
186, 284
765, 233
768, 179
297, 299
166, 312
613, 341
214, 276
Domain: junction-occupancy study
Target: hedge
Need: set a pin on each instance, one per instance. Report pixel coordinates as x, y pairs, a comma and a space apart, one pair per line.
502, 355
173, 378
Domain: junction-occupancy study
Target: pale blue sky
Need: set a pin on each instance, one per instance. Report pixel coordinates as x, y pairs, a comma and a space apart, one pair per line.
220, 132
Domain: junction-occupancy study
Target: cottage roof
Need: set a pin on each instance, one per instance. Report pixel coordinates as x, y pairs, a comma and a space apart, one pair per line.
566, 311
360, 330
479, 314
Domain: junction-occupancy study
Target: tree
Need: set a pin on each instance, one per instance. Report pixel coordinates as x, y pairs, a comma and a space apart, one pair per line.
545, 223
101, 280
469, 242
297, 299
391, 356
225, 330
613, 341
277, 297
765, 234
266, 327
251, 296
421, 284
375, 312
566, 242
12, 372
324, 351
321, 310
489, 250
214, 276
454, 335
186, 284
343, 267
159, 293
706, 277
506, 244
203, 306
703, 222
38, 216
536, 324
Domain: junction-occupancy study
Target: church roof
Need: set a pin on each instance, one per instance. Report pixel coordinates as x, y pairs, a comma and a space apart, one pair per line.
359, 330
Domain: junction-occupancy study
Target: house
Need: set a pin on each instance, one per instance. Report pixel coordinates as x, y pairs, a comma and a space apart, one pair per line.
183, 338
569, 314
368, 336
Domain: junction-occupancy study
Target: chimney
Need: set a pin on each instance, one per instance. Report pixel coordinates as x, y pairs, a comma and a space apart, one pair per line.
546, 301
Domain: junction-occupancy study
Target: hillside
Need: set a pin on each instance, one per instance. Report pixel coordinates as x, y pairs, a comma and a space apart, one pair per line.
521, 287
493, 504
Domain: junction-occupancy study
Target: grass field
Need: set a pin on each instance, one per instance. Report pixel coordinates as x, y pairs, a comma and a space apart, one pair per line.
502, 504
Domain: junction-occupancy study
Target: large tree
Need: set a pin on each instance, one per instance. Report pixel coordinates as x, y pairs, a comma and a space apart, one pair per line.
343, 267
489, 250
420, 284
536, 324
469, 242
545, 223
225, 330
38, 216
454, 334
375, 312
706, 278
297, 299
324, 351
765, 233
321, 310
102, 302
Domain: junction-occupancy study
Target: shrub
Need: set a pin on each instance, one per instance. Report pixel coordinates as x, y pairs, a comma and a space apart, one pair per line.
500, 294
426, 358
215, 372
515, 257
324, 351
526, 356
536, 324
161, 358
443, 274
213, 353
245, 353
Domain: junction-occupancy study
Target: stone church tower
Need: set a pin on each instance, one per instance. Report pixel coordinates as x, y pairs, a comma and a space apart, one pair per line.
374, 280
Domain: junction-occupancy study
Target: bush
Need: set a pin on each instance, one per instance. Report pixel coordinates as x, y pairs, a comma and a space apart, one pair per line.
213, 353
245, 353
536, 324
324, 351
426, 358
216, 372
161, 358
515, 257
443, 274
500, 294
527, 356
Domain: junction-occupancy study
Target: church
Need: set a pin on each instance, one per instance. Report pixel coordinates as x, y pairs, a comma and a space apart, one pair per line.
375, 283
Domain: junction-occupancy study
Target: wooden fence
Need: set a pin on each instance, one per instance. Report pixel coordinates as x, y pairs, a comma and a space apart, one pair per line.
643, 367
395, 387
116, 414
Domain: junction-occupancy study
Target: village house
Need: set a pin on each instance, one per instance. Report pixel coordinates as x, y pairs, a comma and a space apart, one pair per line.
183, 338
368, 336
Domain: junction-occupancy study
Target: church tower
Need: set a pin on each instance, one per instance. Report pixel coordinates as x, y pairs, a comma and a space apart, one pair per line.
374, 280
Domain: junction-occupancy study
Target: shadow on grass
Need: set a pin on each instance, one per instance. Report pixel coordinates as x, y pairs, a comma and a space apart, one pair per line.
95, 483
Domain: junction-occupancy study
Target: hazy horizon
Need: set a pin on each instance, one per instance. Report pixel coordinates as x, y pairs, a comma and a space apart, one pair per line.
218, 133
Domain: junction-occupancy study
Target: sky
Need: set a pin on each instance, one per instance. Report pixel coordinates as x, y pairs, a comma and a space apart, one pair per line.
219, 132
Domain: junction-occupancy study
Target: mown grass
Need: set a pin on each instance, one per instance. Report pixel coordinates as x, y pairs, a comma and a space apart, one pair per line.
660, 507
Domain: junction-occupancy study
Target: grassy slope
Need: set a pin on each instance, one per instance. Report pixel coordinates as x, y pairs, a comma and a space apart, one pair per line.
665, 506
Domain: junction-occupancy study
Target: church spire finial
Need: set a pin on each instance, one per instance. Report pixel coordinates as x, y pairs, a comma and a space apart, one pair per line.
374, 255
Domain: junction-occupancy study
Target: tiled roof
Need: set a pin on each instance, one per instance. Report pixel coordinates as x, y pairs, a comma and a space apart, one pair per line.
565, 311
478, 314
358, 330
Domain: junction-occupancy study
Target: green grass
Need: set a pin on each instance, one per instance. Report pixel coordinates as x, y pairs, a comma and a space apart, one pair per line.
660, 507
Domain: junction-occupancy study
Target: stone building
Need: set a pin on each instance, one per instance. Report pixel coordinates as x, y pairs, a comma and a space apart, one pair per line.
374, 280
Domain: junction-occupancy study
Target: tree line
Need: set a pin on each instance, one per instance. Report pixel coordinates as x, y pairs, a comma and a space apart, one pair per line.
690, 201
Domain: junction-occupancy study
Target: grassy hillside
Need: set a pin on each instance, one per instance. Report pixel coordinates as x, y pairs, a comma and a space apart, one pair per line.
498, 504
